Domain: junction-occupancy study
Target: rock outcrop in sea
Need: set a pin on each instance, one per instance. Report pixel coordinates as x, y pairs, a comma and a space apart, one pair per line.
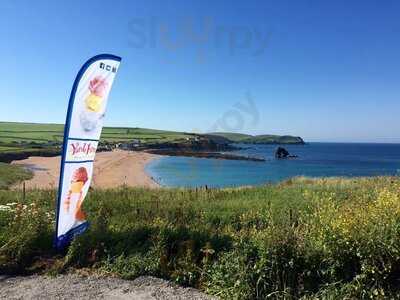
281, 153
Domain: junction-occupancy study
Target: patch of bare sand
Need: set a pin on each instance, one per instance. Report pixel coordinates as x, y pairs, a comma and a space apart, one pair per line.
111, 169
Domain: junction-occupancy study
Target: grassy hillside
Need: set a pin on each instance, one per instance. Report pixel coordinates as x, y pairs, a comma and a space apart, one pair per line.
16, 133
274, 139
44, 139
231, 136
27, 139
303, 239
260, 139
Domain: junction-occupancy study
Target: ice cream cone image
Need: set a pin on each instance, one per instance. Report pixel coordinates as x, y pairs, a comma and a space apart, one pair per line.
97, 87
94, 103
74, 198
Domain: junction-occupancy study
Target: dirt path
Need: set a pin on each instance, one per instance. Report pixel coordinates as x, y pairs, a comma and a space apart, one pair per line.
111, 169
77, 287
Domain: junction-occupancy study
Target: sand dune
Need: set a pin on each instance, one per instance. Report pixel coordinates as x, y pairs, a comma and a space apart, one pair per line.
111, 169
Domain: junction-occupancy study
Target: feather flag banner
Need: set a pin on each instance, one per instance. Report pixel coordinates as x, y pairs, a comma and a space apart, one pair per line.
83, 126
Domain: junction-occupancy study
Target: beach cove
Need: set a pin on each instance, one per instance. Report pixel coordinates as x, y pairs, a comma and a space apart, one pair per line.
111, 169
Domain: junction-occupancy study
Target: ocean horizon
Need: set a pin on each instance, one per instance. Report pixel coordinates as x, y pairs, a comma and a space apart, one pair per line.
315, 159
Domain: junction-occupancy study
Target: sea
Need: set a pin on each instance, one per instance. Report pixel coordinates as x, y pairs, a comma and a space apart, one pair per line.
314, 160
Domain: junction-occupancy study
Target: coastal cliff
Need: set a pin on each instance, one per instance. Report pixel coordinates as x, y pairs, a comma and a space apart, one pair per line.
268, 139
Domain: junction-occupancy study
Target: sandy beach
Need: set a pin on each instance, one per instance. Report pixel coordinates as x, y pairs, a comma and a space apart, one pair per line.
111, 169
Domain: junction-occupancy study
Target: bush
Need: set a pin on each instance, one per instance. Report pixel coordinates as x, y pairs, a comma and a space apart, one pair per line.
305, 238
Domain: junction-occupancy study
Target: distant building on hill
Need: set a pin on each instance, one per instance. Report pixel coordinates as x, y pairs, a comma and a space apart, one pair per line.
193, 139
131, 145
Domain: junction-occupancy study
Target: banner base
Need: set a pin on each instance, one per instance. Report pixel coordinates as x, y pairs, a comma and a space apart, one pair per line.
64, 240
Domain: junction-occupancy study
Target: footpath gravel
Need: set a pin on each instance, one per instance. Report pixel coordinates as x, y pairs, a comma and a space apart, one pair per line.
73, 286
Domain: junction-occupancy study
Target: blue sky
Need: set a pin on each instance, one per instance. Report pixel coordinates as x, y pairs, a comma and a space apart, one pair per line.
324, 70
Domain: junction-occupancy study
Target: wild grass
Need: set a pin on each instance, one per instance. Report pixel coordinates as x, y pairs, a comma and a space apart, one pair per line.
327, 238
12, 174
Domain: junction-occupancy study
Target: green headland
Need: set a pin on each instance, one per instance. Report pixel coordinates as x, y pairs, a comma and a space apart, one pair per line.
20, 140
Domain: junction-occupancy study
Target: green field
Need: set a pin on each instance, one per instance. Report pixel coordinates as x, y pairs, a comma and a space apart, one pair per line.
302, 239
15, 135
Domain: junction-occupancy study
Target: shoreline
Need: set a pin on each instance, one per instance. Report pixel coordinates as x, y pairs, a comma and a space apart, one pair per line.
204, 154
111, 170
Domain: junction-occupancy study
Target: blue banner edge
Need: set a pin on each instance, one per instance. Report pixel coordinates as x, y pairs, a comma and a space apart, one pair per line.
65, 239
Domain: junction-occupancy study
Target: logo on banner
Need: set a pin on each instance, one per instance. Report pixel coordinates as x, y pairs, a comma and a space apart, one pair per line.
108, 67
78, 150
93, 110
